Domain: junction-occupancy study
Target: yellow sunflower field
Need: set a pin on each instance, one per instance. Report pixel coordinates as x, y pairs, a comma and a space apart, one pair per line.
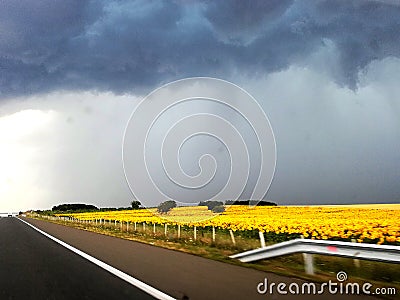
378, 224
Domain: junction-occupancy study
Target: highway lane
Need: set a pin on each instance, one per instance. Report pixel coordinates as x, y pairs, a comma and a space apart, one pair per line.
175, 273
35, 267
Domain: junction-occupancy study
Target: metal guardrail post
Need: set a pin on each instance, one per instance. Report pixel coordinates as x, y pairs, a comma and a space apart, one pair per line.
308, 262
356, 261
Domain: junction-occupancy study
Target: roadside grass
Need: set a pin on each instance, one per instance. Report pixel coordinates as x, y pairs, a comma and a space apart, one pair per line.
326, 267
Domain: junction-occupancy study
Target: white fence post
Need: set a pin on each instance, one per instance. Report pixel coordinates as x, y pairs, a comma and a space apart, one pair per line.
262, 240
213, 234
194, 233
165, 229
179, 231
232, 237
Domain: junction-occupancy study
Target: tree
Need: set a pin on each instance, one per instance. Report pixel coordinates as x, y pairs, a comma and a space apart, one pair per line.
210, 204
135, 204
166, 206
218, 209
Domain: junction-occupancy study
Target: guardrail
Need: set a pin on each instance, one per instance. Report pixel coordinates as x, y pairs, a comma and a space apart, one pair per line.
383, 253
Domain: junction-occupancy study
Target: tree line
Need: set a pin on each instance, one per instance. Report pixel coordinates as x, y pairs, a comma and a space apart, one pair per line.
164, 207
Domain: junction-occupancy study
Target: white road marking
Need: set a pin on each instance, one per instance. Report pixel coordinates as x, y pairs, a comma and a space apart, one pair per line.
135, 282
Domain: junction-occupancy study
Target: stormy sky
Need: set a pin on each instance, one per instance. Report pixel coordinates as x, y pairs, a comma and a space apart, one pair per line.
326, 74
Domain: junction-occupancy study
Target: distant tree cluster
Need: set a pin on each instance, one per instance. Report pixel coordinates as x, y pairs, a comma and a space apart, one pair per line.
250, 202
218, 206
74, 207
80, 207
214, 206
165, 207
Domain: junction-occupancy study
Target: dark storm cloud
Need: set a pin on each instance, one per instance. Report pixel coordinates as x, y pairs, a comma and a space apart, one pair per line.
126, 46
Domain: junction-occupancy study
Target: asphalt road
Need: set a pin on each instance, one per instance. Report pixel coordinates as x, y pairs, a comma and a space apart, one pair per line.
34, 267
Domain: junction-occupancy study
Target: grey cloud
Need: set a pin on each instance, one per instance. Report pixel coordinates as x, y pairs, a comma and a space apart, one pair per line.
334, 145
130, 46
243, 22
35, 31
